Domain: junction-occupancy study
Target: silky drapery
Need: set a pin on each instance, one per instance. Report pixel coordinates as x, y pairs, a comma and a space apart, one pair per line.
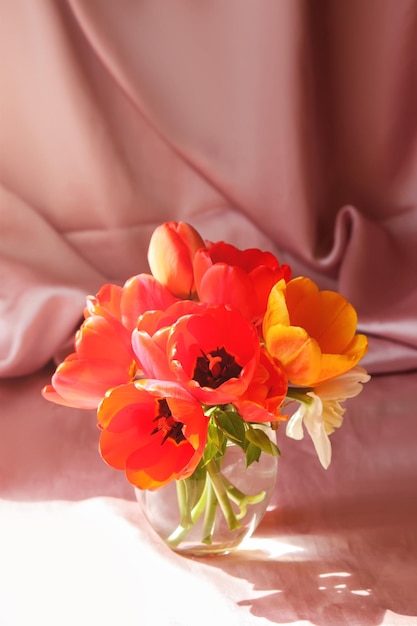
288, 125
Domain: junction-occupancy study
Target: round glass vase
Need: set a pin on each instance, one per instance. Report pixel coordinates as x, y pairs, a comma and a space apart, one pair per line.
215, 509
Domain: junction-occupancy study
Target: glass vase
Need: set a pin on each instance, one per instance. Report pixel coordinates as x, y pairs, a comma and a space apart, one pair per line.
215, 509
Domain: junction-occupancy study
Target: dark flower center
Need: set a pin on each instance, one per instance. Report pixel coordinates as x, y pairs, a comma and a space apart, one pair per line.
166, 422
214, 368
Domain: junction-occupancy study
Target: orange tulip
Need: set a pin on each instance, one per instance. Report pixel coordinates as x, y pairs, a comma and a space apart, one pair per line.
103, 358
154, 431
266, 392
312, 332
239, 278
170, 256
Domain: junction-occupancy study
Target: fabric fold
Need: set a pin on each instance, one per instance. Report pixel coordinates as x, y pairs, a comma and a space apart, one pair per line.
258, 124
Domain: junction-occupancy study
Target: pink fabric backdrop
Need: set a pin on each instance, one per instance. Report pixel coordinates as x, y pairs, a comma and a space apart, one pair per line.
288, 125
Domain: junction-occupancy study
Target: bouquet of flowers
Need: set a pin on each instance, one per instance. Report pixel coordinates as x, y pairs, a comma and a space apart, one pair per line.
212, 347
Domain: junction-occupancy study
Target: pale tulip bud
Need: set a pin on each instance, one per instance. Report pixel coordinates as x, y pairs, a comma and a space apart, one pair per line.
170, 256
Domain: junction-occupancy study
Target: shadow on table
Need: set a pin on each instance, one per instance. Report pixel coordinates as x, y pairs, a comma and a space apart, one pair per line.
340, 547
349, 575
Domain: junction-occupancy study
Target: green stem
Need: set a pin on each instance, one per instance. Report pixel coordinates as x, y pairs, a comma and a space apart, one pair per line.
217, 491
210, 513
242, 499
188, 517
300, 394
222, 496
183, 504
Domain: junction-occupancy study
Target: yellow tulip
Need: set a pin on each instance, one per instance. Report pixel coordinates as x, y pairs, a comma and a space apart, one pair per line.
311, 332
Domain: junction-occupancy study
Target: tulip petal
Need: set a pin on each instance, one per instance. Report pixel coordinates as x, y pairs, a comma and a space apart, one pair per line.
303, 303
107, 301
338, 321
253, 412
239, 278
151, 356
49, 393
119, 408
172, 463
277, 310
333, 365
104, 339
229, 285
299, 354
143, 293
325, 315
113, 448
263, 279
262, 400
83, 383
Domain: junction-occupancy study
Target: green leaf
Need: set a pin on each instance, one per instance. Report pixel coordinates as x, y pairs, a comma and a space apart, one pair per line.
215, 436
259, 438
210, 452
252, 453
232, 425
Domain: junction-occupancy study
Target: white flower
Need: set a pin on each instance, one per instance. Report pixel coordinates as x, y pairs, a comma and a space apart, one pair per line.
321, 412
347, 385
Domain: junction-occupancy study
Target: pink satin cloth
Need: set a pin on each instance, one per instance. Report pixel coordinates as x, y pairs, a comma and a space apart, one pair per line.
285, 125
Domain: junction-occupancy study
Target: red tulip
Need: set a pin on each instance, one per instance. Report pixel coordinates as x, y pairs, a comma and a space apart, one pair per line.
239, 278
154, 431
139, 294
214, 354
211, 350
170, 256
149, 339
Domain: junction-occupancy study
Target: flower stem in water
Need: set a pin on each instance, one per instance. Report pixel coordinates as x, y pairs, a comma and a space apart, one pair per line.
222, 496
217, 492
